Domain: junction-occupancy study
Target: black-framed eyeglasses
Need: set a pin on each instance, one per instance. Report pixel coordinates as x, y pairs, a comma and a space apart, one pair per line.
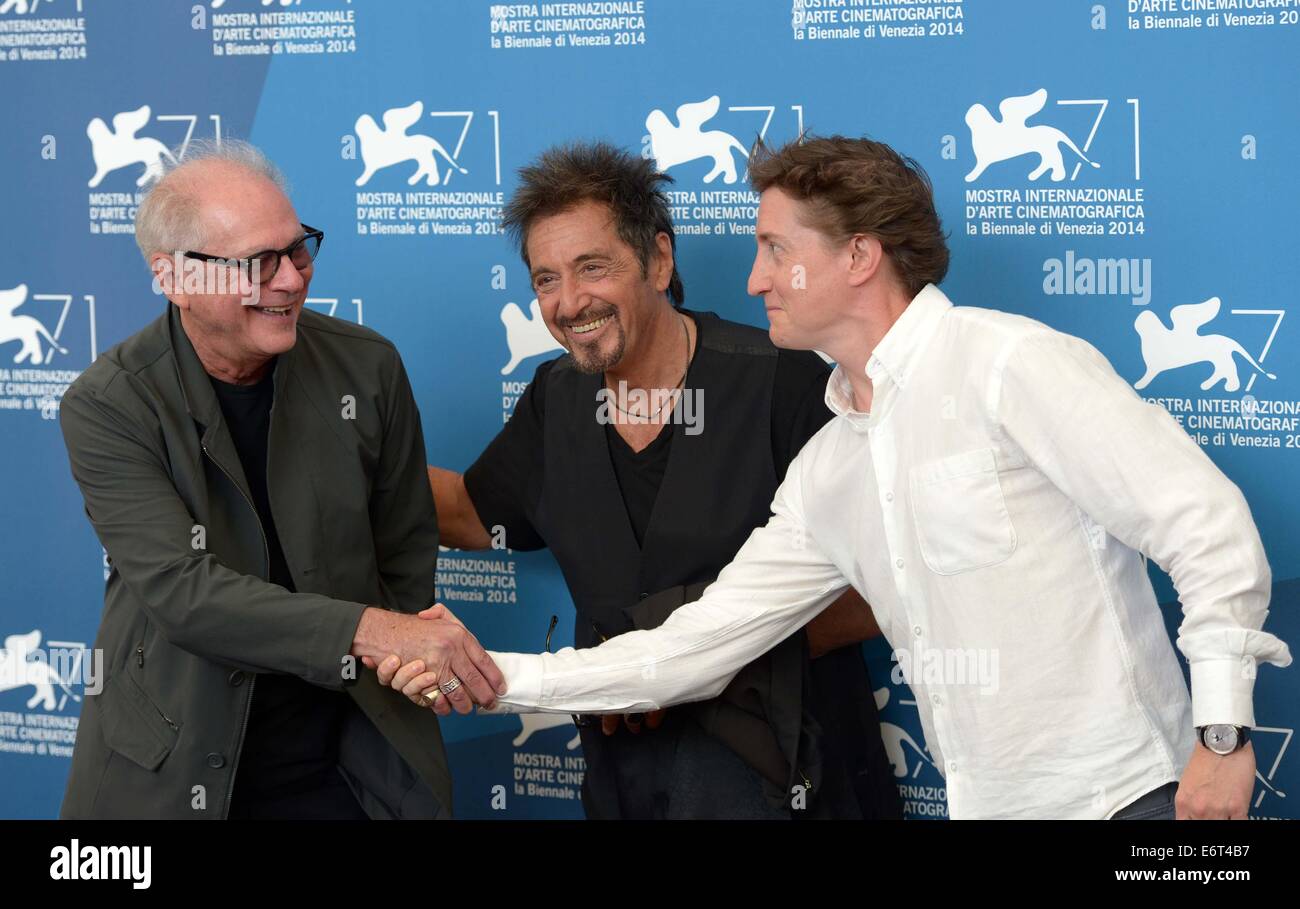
301, 252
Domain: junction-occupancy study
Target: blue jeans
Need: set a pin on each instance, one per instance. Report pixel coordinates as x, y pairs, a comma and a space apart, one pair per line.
1156, 805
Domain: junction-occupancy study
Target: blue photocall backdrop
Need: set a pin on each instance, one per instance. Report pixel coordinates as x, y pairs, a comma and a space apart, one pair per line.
1093, 161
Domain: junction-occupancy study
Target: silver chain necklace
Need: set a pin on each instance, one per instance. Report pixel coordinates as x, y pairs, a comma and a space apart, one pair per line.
671, 395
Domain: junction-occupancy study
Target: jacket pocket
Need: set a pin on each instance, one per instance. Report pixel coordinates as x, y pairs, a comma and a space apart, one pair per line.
960, 515
132, 725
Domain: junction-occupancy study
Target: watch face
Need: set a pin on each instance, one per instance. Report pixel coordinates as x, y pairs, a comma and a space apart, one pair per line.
1221, 739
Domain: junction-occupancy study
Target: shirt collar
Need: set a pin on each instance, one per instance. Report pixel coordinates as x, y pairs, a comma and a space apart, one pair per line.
898, 353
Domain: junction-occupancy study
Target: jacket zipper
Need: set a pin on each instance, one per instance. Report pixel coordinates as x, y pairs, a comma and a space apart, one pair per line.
248, 704
139, 661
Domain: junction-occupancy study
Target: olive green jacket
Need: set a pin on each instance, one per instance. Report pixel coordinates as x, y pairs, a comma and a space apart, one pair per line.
189, 617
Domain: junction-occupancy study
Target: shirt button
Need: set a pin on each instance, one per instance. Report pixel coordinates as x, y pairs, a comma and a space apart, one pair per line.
216, 761
236, 678
937, 700
889, 497
952, 766
899, 563
916, 630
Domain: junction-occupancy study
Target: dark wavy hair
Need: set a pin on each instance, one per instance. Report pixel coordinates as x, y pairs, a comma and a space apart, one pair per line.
628, 185
859, 186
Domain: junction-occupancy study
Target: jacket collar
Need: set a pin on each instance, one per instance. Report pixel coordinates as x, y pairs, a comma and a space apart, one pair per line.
202, 404
196, 385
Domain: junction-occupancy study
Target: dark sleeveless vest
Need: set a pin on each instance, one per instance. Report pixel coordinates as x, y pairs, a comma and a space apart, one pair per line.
717, 486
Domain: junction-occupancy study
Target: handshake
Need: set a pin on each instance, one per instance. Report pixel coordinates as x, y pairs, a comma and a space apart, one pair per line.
432, 658
437, 663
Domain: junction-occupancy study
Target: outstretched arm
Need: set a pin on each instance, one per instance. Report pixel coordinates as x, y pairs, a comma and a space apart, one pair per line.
778, 581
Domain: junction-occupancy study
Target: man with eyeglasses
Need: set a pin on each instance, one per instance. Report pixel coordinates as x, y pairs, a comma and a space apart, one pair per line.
256, 474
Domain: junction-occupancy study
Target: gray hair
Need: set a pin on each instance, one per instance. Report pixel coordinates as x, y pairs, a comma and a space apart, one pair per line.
168, 217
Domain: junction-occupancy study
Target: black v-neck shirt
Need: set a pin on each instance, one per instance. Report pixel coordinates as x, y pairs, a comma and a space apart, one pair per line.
639, 474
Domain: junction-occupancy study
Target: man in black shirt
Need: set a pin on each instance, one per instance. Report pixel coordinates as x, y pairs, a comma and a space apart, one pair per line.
643, 459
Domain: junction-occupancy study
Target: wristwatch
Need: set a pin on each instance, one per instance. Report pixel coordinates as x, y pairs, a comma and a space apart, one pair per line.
1222, 738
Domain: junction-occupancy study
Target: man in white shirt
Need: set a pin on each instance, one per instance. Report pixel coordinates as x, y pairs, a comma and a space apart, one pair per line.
992, 488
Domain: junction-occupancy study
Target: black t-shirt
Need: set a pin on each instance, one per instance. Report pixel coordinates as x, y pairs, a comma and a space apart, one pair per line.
288, 765
639, 475
505, 482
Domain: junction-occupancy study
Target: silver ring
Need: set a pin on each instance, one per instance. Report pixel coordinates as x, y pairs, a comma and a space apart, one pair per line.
449, 687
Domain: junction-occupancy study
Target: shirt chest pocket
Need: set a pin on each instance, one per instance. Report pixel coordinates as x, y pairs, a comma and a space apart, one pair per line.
960, 515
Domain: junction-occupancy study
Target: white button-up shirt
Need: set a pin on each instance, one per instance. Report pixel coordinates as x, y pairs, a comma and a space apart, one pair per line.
994, 509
